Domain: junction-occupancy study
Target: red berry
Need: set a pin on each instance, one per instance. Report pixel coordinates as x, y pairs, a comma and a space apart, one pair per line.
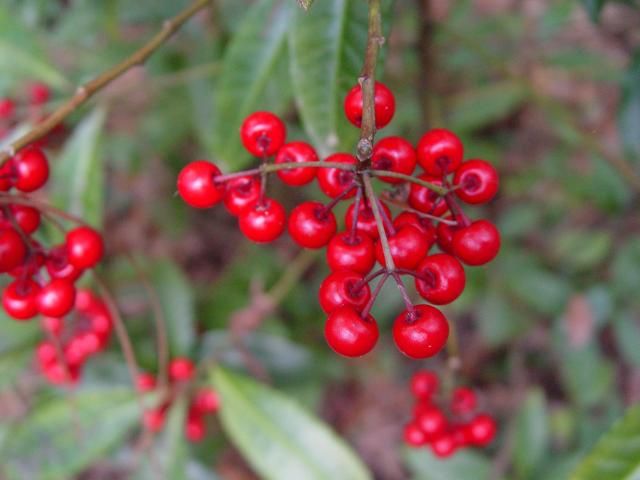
57, 298
463, 401
58, 265
311, 225
424, 224
206, 400
444, 234
263, 222
31, 169
181, 369
334, 181
439, 152
444, 446
348, 334
153, 419
84, 247
61, 374
343, 288
145, 382
477, 181
12, 249
414, 436
432, 422
482, 430
262, 134
476, 244
19, 299
39, 93
421, 334
393, 154
421, 407
424, 384
46, 353
408, 246
241, 194
197, 185
345, 253
442, 278
53, 325
297, 152
27, 218
426, 200
384, 104
195, 427
366, 219
7, 108
7, 171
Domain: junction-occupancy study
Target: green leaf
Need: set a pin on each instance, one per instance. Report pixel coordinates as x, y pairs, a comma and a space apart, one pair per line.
485, 105
12, 363
593, 8
532, 436
463, 465
629, 112
249, 65
625, 271
627, 333
64, 436
582, 249
78, 175
277, 437
616, 456
326, 48
178, 305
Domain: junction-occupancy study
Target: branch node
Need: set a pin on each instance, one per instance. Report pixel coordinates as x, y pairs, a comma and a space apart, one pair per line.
364, 149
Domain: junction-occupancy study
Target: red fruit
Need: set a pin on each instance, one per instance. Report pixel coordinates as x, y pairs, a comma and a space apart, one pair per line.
311, 225
27, 218
195, 427
421, 334
424, 224
482, 430
366, 219
444, 234
31, 169
241, 194
334, 181
476, 244
12, 249
59, 374
341, 289
46, 353
463, 401
39, 93
384, 104
263, 222
444, 446
414, 436
206, 400
76, 351
424, 384
53, 325
181, 369
7, 176
421, 407
57, 298
145, 382
439, 152
297, 152
408, 246
59, 267
356, 255
426, 200
262, 134
442, 278
197, 185
84, 247
477, 181
432, 422
7, 108
348, 334
153, 419
19, 299
393, 154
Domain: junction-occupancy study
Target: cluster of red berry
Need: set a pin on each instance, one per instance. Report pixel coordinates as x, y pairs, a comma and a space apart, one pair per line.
401, 245
203, 401
61, 358
445, 435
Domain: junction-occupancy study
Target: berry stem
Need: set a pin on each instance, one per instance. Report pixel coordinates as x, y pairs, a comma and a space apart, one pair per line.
49, 210
374, 295
329, 206
356, 214
274, 167
385, 218
456, 211
405, 295
368, 279
409, 178
384, 242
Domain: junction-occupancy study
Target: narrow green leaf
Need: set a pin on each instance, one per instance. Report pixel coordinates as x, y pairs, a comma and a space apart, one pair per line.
78, 175
65, 435
532, 434
278, 438
463, 465
616, 456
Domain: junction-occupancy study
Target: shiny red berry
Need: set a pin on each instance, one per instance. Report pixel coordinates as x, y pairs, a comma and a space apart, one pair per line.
439, 152
348, 334
84, 247
482, 430
393, 154
12, 249
181, 369
463, 401
58, 265
347, 253
424, 224
432, 421
441, 279
241, 194
57, 298
197, 185
343, 288
421, 333
424, 383
444, 446
407, 245
20, 299
27, 218
153, 419
145, 382
297, 152
263, 222
384, 105
425, 200
39, 93
477, 181
31, 169
476, 244
334, 181
262, 134
311, 225
206, 400
46, 353
444, 235
414, 436
7, 108
195, 427
366, 219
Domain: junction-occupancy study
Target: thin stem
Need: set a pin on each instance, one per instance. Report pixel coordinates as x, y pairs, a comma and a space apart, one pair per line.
7, 198
374, 295
408, 178
334, 201
403, 291
456, 211
356, 214
86, 91
274, 167
369, 278
385, 218
384, 242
